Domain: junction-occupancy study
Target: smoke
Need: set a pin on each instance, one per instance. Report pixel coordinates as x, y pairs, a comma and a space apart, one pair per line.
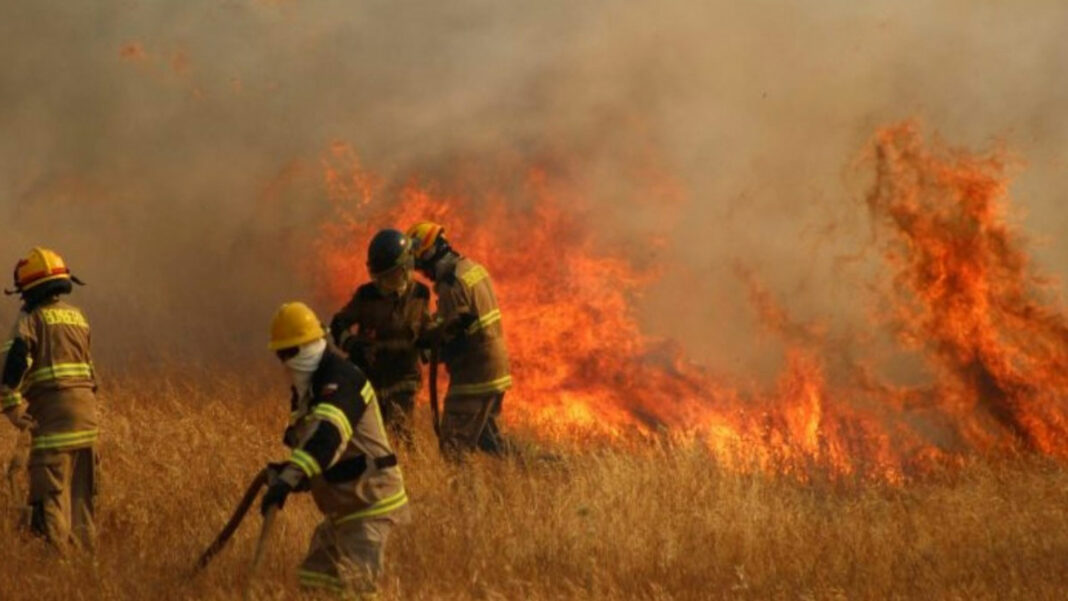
172, 150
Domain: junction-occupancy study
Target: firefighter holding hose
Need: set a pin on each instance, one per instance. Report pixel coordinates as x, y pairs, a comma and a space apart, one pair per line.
48, 387
340, 452
467, 328
380, 325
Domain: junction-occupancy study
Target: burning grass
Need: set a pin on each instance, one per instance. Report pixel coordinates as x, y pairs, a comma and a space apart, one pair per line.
651, 521
959, 294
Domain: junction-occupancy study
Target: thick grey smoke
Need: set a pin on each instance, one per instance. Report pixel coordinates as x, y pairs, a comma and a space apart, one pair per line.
172, 149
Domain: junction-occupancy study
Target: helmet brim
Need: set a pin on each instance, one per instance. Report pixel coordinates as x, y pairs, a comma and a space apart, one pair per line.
277, 345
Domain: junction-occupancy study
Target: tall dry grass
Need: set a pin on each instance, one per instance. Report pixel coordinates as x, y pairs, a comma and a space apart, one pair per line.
661, 522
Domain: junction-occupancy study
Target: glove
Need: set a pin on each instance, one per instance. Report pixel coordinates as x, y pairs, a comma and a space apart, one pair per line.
275, 496
430, 337
20, 419
289, 438
275, 474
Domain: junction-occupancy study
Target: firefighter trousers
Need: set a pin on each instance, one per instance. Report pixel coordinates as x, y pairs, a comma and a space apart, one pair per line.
347, 559
470, 423
63, 487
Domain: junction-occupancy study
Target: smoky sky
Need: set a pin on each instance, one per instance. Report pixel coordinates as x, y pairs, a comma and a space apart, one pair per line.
172, 150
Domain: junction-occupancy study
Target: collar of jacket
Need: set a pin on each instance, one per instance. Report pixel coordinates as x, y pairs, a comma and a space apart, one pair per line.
446, 266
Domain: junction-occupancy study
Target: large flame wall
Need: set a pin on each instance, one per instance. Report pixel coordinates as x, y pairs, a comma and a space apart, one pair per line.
965, 299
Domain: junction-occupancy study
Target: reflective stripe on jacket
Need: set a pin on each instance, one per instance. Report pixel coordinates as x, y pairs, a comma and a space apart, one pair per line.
477, 358
342, 445
48, 365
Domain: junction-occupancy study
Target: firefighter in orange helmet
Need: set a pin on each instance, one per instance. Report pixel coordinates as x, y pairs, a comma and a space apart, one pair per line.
340, 452
467, 328
48, 387
380, 325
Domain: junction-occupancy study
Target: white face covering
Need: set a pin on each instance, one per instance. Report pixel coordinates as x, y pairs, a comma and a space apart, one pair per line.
302, 365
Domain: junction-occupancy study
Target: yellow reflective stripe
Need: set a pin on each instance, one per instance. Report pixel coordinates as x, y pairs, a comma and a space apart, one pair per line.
368, 393
59, 371
69, 439
317, 579
335, 416
10, 399
485, 321
384, 506
498, 385
474, 276
6, 346
305, 462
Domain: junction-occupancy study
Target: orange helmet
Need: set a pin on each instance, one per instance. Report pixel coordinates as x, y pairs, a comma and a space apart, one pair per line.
424, 236
40, 265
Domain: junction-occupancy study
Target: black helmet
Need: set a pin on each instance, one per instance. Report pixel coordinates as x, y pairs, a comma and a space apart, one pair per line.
389, 249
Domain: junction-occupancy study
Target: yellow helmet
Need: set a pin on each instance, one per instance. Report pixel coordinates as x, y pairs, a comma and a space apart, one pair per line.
424, 234
40, 265
293, 325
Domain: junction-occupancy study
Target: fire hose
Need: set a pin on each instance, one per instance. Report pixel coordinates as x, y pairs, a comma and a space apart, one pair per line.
435, 412
231, 526
261, 546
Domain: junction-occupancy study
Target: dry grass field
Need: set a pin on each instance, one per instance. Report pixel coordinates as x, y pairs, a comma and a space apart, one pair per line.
660, 522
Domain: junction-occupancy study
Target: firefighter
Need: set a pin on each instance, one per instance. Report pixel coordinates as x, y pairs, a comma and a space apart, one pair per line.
340, 452
379, 328
49, 388
467, 329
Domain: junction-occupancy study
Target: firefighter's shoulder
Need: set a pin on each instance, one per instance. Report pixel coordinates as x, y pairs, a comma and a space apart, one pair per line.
341, 385
469, 272
366, 292
337, 377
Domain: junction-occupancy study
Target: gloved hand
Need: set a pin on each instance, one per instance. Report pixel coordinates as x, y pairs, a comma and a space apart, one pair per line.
430, 337
275, 496
19, 418
290, 438
275, 473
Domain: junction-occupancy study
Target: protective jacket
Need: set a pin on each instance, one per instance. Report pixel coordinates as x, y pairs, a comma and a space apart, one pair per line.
379, 333
340, 445
474, 352
48, 367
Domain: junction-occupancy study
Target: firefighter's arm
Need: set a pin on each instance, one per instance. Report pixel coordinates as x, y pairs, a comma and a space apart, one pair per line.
453, 318
329, 432
339, 326
441, 332
357, 349
316, 453
16, 363
342, 322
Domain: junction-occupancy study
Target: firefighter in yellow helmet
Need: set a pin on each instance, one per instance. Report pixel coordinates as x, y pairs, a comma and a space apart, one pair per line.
48, 387
340, 452
380, 325
468, 329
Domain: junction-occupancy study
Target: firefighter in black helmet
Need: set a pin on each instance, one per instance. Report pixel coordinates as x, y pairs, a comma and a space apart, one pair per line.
379, 327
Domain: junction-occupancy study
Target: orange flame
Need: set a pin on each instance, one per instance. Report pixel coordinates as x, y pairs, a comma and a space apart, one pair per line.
584, 368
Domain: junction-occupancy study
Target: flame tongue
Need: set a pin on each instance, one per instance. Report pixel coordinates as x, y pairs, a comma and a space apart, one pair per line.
963, 296
969, 294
